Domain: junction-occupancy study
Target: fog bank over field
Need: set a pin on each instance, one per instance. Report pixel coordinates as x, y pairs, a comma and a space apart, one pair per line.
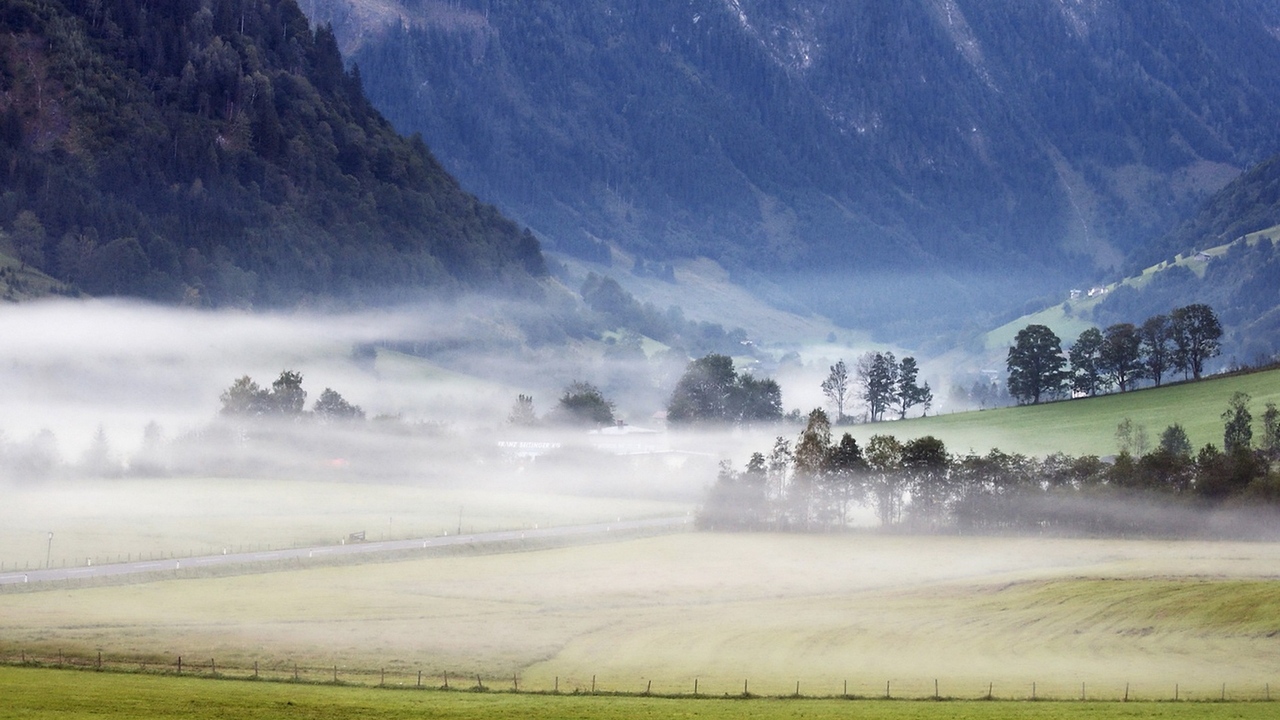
436, 383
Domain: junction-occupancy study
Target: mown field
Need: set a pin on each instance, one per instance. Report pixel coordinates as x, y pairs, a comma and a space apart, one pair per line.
1088, 426
1016, 615
112, 520
31, 693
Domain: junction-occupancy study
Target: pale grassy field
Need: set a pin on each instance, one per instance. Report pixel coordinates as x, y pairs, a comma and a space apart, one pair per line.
111, 520
774, 610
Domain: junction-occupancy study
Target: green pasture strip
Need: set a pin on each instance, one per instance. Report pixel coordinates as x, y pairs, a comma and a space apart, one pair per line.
1087, 426
1222, 607
43, 693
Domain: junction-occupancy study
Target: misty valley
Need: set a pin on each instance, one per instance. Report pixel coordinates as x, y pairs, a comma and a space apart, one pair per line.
715, 358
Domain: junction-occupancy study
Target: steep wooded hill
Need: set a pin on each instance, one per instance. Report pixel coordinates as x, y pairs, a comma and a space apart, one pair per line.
220, 153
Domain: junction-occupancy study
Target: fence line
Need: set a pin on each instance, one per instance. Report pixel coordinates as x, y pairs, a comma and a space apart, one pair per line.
402, 677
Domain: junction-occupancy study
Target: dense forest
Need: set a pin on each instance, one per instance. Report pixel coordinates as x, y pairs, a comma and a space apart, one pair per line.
220, 153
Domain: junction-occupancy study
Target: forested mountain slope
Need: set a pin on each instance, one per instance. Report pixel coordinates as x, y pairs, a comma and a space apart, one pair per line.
850, 145
220, 153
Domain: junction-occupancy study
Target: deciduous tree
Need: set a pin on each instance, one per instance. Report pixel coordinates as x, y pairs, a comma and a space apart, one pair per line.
1121, 355
1036, 365
836, 388
1196, 336
1085, 357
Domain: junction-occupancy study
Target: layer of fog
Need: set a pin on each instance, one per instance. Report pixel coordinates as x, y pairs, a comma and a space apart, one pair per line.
77, 373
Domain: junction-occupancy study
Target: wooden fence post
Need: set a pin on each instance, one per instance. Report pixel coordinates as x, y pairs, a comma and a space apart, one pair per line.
419, 678
179, 664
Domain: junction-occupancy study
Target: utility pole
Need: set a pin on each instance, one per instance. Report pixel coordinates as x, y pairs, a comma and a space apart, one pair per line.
48, 553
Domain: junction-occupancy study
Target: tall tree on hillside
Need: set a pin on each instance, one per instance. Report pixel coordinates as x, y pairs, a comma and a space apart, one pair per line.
1271, 431
1121, 356
1036, 365
909, 393
878, 376
1196, 336
1237, 424
1085, 355
1156, 334
836, 388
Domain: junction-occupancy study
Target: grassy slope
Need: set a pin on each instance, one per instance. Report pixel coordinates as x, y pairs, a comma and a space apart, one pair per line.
23, 282
34, 694
720, 608
1087, 426
1069, 327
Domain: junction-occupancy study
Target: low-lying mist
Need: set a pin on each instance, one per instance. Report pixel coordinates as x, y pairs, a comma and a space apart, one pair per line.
115, 388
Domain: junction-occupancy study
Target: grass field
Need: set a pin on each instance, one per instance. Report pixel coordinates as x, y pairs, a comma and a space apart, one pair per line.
721, 609
32, 693
1088, 426
111, 520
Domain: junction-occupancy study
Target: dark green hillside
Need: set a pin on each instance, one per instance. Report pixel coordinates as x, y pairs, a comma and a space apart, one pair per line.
1249, 204
220, 153
1239, 275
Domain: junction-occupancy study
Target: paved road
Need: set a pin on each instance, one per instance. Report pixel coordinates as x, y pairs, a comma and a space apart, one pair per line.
328, 551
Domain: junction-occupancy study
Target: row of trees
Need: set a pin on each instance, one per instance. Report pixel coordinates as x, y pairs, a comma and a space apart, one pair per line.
815, 482
285, 400
881, 382
1120, 356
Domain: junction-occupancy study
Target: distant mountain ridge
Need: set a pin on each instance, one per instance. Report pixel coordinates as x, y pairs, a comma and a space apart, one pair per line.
843, 143
219, 153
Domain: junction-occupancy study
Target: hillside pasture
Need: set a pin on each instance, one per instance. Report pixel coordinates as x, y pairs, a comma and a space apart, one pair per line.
1087, 426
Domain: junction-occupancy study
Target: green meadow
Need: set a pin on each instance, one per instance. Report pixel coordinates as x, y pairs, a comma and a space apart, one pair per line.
40, 693
1087, 426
